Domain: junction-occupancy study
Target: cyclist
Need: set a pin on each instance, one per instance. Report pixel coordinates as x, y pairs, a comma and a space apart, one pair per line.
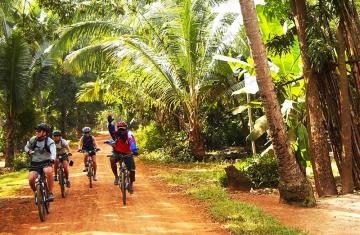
42, 150
87, 143
124, 145
62, 149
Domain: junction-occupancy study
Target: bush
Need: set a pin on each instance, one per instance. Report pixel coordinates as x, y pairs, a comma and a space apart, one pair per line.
150, 138
21, 161
262, 170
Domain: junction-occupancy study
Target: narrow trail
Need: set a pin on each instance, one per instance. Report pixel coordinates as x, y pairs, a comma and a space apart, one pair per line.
150, 210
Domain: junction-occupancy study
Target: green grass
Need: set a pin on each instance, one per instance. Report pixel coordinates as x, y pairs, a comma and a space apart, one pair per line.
11, 182
202, 181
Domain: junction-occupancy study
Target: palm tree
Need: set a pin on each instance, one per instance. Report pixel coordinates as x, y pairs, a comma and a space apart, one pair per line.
293, 187
170, 48
15, 61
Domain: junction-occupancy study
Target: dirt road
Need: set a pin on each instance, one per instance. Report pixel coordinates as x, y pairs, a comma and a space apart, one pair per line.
150, 210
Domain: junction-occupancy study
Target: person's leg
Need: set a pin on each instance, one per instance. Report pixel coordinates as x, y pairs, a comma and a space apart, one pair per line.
95, 167
113, 162
85, 162
94, 163
56, 165
49, 177
130, 164
32, 178
66, 169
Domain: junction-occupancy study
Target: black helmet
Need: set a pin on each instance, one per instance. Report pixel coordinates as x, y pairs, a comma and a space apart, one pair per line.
43, 127
56, 133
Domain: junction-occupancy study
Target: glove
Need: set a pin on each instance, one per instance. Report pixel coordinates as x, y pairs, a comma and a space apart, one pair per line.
69, 154
110, 118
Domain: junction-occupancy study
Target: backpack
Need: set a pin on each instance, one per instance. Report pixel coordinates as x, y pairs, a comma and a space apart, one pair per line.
121, 146
46, 146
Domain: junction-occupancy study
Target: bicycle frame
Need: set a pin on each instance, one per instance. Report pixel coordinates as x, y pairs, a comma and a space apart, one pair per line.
43, 204
61, 174
123, 175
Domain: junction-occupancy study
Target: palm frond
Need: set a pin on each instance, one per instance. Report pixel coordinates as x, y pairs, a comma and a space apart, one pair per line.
85, 30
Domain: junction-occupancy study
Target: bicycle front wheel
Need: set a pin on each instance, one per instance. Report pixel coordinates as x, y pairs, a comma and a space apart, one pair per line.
123, 187
40, 202
90, 175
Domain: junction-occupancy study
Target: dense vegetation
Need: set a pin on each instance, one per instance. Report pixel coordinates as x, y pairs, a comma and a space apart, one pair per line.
196, 79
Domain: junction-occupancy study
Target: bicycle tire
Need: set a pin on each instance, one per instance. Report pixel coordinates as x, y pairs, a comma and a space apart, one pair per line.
62, 182
123, 188
90, 176
46, 198
40, 202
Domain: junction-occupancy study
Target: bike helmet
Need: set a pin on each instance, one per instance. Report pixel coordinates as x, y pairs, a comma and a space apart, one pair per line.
56, 133
43, 127
86, 130
121, 125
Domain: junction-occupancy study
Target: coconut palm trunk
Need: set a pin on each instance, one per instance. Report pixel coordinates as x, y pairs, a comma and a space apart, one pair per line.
319, 149
293, 187
345, 116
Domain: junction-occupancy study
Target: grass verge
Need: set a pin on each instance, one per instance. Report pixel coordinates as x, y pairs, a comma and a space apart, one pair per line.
11, 182
203, 182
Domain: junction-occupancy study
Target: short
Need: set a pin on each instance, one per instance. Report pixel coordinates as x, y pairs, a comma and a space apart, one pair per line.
128, 159
39, 166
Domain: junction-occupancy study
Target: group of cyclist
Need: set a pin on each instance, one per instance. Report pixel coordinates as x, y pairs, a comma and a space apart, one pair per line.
45, 152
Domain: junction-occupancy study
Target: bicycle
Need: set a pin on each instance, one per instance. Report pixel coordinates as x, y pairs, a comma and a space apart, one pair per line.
42, 192
89, 163
61, 172
123, 176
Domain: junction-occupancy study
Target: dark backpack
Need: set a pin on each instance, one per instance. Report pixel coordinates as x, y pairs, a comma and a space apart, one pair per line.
46, 146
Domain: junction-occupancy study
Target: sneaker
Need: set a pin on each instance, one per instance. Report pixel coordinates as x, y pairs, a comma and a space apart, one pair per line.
95, 177
116, 181
68, 184
55, 178
51, 197
85, 169
130, 188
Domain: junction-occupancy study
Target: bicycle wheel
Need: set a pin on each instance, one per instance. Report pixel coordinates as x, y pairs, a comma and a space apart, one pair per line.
90, 173
123, 187
46, 196
40, 202
62, 182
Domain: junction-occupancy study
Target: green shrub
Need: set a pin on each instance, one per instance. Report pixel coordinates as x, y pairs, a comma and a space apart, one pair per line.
21, 161
262, 170
149, 138
223, 179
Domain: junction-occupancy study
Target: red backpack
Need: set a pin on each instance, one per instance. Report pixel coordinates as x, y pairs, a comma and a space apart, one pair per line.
121, 146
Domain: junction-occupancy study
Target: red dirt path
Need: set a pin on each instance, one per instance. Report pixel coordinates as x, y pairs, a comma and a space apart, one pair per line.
150, 210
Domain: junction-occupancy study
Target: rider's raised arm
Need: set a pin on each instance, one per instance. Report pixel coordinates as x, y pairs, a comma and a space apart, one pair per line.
112, 131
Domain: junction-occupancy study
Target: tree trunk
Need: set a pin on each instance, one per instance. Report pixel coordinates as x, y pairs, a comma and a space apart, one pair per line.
319, 149
10, 141
345, 116
196, 141
293, 187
